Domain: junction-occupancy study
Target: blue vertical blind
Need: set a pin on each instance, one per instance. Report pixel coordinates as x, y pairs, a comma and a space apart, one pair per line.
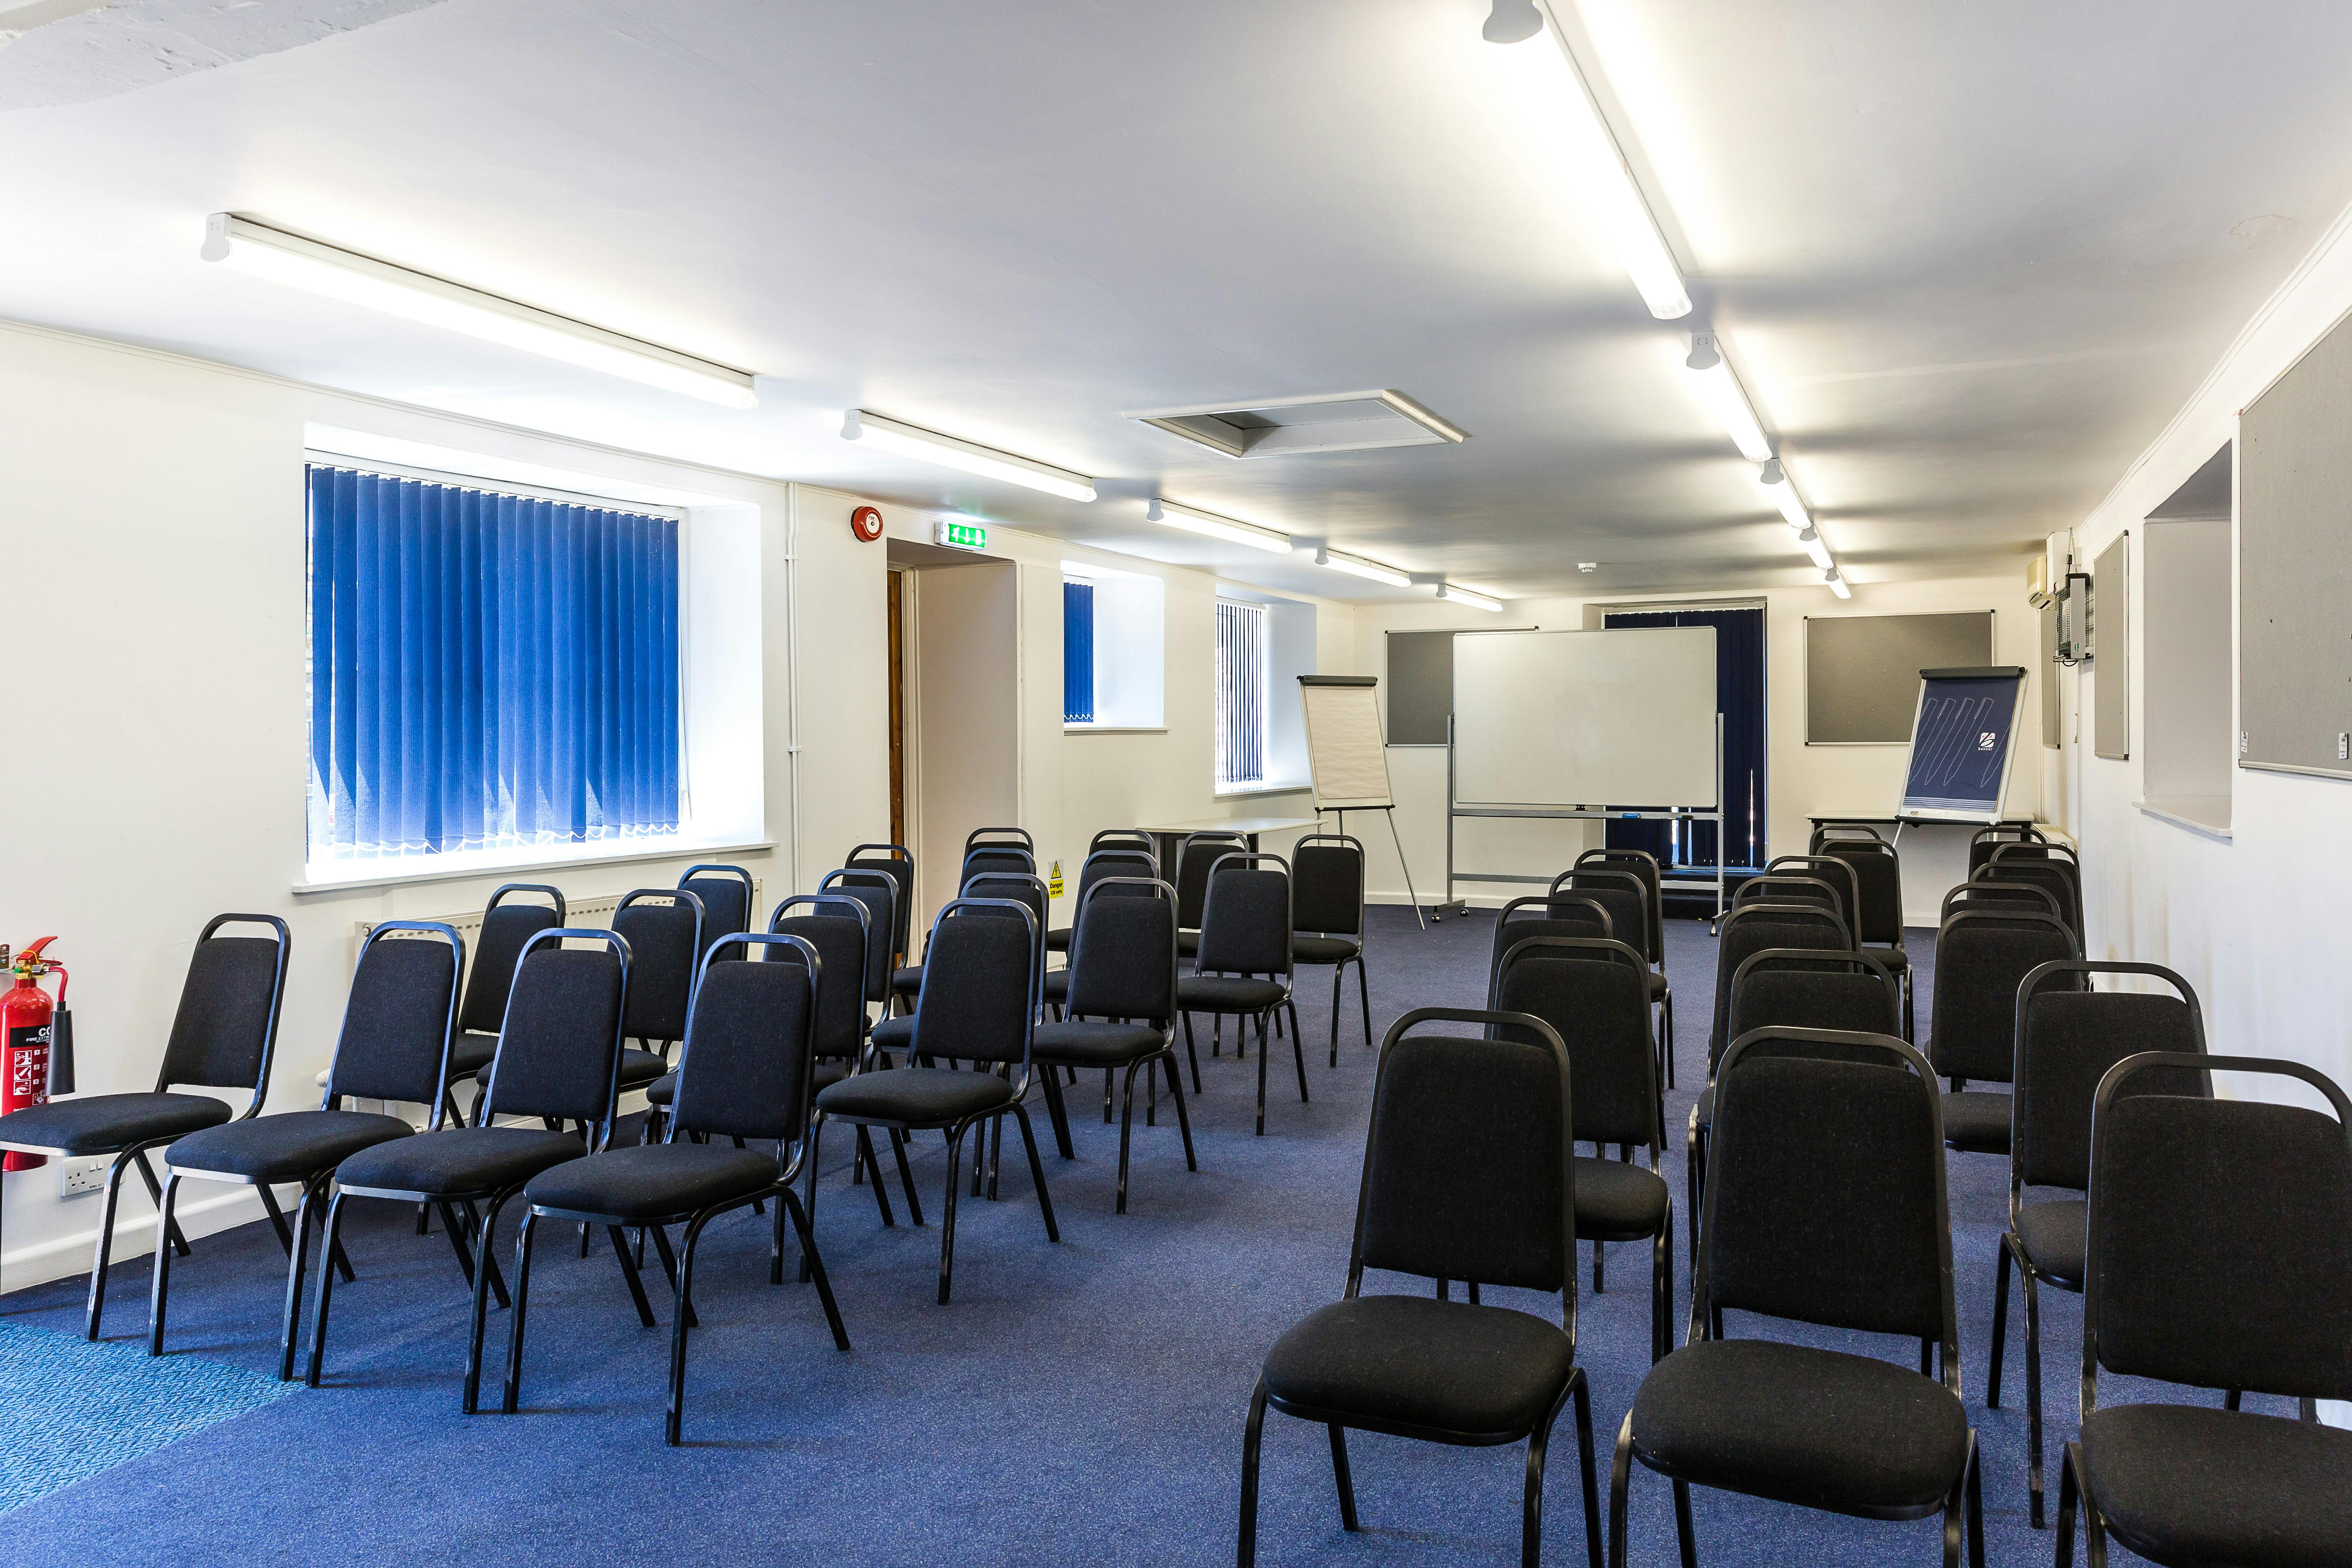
1241, 693
1739, 699
486, 670
1077, 653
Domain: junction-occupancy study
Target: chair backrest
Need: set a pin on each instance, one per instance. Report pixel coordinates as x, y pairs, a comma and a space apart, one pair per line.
226, 1030
667, 937
1125, 864
992, 859
1802, 988
1785, 888
1457, 1121
559, 1043
1562, 915
1123, 838
1981, 958
1618, 891
1985, 840
744, 1070
1751, 927
1595, 995
1644, 865
2221, 1235
983, 981
2049, 873
1825, 1198
897, 862
1831, 868
506, 927
2066, 1041
1123, 952
878, 891
1999, 898
1828, 832
726, 893
996, 886
839, 930
1000, 837
1245, 925
400, 1017
1878, 884
1198, 855
1328, 892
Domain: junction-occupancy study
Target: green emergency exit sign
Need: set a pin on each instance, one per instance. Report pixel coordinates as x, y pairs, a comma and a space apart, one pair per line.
962, 535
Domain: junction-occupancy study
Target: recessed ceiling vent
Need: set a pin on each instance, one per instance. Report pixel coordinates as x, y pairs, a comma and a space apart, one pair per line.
1335, 422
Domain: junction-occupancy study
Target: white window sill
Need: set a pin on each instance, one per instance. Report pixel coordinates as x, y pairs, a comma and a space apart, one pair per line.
1246, 792
2205, 815
1114, 730
361, 878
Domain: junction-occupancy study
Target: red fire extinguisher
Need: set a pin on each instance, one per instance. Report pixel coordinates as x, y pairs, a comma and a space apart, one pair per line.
25, 1038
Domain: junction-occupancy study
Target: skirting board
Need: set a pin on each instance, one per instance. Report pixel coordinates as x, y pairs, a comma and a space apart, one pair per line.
63, 1256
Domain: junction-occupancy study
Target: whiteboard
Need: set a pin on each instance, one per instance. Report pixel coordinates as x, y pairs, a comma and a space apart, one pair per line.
1614, 717
1345, 753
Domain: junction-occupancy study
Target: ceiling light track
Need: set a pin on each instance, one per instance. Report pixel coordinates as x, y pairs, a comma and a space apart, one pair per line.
969, 457
261, 251
1233, 530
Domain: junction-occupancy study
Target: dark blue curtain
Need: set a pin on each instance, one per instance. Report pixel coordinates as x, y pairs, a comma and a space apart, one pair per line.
1739, 698
1077, 653
486, 670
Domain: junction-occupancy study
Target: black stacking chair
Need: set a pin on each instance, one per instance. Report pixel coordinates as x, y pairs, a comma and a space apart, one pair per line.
1000, 837
223, 1036
2054, 874
1831, 868
744, 1073
1878, 898
1643, 866
1750, 928
1127, 864
668, 933
558, 1060
1622, 892
394, 1045
2066, 1041
981, 982
1122, 999
725, 893
1999, 898
878, 892
508, 922
1242, 969
1982, 955
1798, 988
2242, 1283
1121, 838
1327, 899
984, 860
1825, 1207
1985, 840
1193, 881
1547, 914
1786, 888
897, 862
984, 888
997, 849
1593, 996
1443, 1371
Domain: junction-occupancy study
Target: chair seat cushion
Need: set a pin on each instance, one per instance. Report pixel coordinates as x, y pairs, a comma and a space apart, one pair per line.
653, 1181
2179, 1483
639, 1069
1325, 949
1704, 1108
1894, 958
1817, 1427
1617, 1200
1058, 940
1227, 993
1487, 1373
1659, 990
1975, 1122
102, 1124
825, 1074
459, 1160
2055, 1236
663, 1091
916, 1097
894, 1034
285, 1148
1096, 1043
909, 980
1057, 984
471, 1052
1188, 943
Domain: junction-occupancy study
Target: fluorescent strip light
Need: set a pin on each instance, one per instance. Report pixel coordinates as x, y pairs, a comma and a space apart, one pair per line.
914, 441
1814, 549
1837, 582
1447, 591
1721, 392
1540, 75
1775, 478
263, 252
1356, 566
1230, 529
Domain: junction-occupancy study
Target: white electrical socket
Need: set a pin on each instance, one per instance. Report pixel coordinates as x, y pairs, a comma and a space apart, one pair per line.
2344, 745
76, 1180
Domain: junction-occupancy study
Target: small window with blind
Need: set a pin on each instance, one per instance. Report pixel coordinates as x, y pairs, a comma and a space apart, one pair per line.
1078, 652
1241, 694
1113, 650
493, 674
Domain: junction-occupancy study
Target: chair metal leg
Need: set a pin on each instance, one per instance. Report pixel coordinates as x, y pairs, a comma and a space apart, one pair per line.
1621, 1474
635, 1281
669, 1265
1183, 1120
2066, 1505
515, 1315
946, 1225
1057, 1111
1662, 1289
808, 1184
1246, 1552
105, 1242
2000, 1322
1108, 1075
1037, 1171
682, 1285
319, 1301
865, 1156
1191, 1054
1666, 1008
1582, 1392
1297, 1051
485, 1279
161, 1288
816, 1270
1342, 1479
2033, 1390
1339, 974
312, 1193
1242, 1032
1597, 1287
1126, 1131
2231, 1397
277, 1218
1685, 1536
1976, 1505
156, 1192
1364, 998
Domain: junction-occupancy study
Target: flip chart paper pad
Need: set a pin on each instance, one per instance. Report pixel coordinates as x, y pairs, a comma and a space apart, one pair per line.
1344, 749
1960, 742
1565, 719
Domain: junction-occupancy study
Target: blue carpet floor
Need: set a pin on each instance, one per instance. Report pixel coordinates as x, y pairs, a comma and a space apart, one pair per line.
1080, 1403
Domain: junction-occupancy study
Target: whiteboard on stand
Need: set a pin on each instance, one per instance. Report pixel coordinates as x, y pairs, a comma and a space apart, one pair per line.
1346, 755
1586, 719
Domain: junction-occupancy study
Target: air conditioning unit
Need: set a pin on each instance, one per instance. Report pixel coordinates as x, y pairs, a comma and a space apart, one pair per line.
2037, 582
2045, 579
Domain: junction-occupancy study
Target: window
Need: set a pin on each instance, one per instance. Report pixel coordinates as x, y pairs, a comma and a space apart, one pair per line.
1241, 693
1077, 653
487, 670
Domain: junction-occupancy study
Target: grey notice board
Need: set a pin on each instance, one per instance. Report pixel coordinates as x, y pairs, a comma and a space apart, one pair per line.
2111, 677
1861, 672
1421, 687
2295, 590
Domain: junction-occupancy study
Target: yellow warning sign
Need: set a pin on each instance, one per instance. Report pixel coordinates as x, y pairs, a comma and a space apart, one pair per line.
1054, 883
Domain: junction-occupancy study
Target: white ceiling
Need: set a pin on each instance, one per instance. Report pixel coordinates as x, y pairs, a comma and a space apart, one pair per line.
1967, 258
